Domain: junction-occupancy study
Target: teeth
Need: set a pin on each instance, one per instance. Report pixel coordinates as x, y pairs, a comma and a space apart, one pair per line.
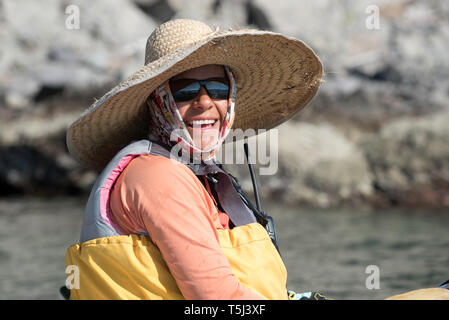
201, 122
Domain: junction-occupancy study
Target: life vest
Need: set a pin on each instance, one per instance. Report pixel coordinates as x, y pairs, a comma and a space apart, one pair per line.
113, 265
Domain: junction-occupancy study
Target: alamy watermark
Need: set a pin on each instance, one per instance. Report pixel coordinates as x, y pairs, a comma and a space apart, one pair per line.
263, 147
372, 21
72, 22
73, 277
262, 144
372, 282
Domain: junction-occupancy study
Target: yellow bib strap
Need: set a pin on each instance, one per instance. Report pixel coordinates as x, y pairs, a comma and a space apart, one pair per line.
255, 260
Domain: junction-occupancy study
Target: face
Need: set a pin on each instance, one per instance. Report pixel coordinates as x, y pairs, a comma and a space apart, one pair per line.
203, 115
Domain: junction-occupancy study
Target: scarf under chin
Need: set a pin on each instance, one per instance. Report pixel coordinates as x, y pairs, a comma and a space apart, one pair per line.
168, 127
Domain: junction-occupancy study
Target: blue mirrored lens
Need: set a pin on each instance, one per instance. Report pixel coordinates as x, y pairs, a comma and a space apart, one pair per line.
187, 93
215, 89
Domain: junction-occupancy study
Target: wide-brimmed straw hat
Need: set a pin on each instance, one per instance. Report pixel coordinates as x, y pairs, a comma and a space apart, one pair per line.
276, 76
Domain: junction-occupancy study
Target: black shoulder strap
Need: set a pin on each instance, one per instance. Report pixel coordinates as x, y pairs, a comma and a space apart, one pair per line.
264, 219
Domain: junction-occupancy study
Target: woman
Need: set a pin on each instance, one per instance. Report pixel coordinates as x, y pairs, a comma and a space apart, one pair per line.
164, 220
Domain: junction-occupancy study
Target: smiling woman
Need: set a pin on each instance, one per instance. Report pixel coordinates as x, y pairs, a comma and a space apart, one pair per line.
203, 98
158, 226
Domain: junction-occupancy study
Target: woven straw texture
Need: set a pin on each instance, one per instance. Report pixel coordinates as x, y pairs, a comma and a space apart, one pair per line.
276, 76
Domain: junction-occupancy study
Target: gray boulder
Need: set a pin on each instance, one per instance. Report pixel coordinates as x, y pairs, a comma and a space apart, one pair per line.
409, 160
42, 43
321, 165
316, 165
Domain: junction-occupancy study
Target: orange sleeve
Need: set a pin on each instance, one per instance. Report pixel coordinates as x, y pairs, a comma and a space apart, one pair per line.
166, 199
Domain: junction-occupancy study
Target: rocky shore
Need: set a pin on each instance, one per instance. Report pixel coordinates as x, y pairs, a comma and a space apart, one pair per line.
375, 135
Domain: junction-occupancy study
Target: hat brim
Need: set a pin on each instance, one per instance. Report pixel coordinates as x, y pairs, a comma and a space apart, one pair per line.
276, 76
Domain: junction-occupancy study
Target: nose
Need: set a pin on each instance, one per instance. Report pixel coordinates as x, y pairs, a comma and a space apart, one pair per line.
202, 100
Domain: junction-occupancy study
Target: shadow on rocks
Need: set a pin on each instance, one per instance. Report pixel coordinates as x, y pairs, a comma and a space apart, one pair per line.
24, 170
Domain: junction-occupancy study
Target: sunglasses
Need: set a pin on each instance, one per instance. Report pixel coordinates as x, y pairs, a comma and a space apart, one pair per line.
187, 89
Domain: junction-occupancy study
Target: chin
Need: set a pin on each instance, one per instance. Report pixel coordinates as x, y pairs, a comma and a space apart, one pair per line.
206, 145
206, 140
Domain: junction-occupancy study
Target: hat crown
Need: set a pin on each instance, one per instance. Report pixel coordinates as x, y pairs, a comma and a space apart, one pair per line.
173, 35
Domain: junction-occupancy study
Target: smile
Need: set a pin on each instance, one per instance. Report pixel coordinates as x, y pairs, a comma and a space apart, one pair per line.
202, 123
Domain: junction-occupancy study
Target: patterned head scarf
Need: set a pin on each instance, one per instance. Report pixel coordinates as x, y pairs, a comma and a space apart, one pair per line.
168, 127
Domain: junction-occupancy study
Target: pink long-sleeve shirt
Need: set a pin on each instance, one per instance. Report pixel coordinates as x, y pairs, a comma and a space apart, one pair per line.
165, 198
